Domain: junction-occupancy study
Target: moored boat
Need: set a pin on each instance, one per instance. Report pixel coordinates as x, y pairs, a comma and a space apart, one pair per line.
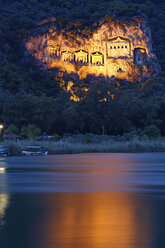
4, 151
34, 151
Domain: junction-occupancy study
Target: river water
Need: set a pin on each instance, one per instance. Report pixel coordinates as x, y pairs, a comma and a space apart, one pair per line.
85, 200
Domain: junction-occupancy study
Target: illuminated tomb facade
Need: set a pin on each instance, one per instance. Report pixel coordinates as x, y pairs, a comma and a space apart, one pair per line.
116, 49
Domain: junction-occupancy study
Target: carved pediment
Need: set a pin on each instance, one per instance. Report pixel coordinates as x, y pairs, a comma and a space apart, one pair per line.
118, 39
81, 52
97, 54
66, 52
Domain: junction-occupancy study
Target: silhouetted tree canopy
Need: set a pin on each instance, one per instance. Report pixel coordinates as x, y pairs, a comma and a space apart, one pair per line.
30, 95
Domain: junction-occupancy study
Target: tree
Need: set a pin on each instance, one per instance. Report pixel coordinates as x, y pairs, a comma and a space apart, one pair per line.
45, 113
30, 131
70, 117
11, 129
152, 131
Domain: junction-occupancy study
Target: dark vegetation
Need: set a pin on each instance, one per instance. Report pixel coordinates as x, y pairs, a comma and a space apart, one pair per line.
31, 95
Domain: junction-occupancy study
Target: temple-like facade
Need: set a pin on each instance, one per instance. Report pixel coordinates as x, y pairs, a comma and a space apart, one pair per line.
113, 58
116, 47
115, 50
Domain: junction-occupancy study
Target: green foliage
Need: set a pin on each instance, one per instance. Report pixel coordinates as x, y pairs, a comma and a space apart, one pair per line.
15, 149
88, 140
131, 135
70, 117
152, 131
11, 129
55, 137
30, 97
129, 110
15, 26
103, 144
30, 131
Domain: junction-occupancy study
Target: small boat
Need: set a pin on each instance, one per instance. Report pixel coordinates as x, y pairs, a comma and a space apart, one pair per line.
4, 151
34, 151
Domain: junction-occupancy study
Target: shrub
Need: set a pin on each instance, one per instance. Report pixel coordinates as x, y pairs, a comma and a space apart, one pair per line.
152, 131
88, 140
30, 131
55, 137
15, 149
12, 129
131, 135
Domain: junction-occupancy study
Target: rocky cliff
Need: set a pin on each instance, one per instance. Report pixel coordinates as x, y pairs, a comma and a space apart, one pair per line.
113, 49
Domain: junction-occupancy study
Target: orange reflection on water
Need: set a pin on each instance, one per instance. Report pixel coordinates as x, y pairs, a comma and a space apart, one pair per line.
113, 220
4, 197
4, 201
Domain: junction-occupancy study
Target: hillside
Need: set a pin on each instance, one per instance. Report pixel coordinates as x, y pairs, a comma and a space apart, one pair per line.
114, 49
31, 91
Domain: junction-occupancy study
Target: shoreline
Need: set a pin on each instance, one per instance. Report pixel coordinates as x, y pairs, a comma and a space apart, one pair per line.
68, 147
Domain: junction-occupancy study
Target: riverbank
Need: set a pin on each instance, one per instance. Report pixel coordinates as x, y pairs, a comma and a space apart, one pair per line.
71, 146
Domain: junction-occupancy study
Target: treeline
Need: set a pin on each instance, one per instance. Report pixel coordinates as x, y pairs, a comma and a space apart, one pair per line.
31, 95
118, 111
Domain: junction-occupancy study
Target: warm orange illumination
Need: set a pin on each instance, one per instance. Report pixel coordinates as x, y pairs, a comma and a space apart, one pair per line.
4, 197
75, 98
4, 201
2, 170
111, 219
74, 90
120, 50
1, 127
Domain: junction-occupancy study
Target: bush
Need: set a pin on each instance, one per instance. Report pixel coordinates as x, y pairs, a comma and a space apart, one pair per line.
55, 137
152, 132
88, 140
15, 149
30, 131
11, 129
130, 135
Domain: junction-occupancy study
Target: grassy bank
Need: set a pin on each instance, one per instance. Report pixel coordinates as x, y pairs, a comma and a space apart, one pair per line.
71, 145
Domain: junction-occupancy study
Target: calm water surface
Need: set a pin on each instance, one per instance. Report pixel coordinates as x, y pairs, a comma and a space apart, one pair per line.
87, 200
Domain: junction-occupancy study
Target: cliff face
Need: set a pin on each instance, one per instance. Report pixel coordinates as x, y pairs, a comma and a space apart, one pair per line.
115, 49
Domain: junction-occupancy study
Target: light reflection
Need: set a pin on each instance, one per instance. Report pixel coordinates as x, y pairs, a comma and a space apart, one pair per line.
2, 170
4, 202
97, 220
4, 197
